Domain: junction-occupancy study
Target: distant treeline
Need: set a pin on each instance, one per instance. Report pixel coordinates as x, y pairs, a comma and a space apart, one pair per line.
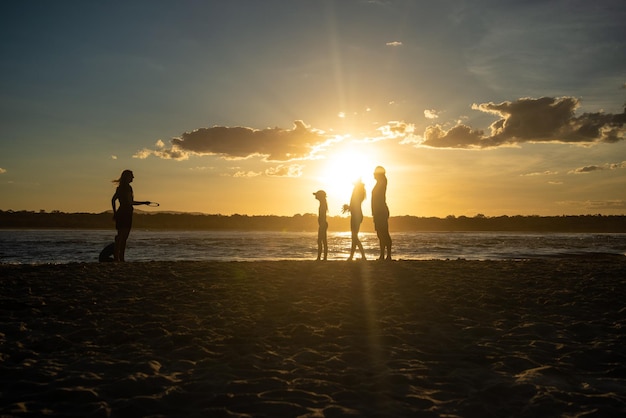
308, 222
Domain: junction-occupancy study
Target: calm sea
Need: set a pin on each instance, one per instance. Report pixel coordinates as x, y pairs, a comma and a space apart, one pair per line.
65, 246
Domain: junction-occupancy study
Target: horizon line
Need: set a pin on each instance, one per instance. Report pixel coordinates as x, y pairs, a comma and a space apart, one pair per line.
450, 216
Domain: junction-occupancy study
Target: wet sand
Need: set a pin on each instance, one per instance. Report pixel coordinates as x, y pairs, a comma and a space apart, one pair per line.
541, 337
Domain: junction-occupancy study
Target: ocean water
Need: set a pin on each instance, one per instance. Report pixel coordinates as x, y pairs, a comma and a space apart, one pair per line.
66, 246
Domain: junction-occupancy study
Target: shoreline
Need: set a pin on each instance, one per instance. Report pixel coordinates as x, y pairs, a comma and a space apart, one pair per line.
304, 338
582, 255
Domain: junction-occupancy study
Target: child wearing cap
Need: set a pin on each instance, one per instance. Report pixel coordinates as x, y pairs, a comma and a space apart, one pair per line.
322, 240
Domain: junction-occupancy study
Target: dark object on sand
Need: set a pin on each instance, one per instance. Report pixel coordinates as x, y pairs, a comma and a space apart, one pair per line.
106, 254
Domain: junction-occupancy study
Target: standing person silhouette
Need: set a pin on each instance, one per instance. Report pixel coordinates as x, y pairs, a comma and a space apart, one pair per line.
356, 217
322, 239
380, 212
123, 215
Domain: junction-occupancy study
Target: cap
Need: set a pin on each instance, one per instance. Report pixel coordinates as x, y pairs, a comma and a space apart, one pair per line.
379, 170
321, 193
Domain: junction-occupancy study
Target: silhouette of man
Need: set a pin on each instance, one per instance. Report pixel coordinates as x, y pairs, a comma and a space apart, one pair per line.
380, 212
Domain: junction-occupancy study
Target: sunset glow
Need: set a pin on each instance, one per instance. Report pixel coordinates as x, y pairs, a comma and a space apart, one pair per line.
473, 108
342, 169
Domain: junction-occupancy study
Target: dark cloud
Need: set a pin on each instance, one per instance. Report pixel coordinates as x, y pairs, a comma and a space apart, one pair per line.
545, 119
275, 144
460, 136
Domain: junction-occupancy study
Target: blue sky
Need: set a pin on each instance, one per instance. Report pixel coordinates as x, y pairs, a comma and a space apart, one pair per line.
241, 106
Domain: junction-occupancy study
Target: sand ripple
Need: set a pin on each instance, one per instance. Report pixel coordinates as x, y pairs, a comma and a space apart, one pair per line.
336, 339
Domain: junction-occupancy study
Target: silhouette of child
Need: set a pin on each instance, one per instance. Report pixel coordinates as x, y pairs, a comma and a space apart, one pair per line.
322, 240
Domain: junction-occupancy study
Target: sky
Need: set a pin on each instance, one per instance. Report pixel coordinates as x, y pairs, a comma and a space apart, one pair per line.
486, 107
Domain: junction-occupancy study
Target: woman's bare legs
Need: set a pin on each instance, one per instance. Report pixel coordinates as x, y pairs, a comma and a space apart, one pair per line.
356, 243
120, 244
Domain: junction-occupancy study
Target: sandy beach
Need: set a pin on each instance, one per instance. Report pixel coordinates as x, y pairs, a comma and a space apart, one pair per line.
540, 337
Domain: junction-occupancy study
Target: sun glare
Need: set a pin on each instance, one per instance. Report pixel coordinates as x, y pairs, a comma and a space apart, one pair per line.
341, 170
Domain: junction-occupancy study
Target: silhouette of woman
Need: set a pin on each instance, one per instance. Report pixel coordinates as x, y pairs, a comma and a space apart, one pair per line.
123, 215
380, 212
356, 217
322, 240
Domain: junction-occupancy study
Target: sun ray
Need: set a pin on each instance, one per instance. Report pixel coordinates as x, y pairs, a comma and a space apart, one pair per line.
342, 168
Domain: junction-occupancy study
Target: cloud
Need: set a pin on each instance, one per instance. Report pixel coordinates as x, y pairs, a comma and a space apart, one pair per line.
461, 136
587, 169
202, 168
396, 129
615, 166
592, 168
431, 114
247, 174
540, 173
275, 144
281, 170
530, 120
394, 43
593, 205
606, 204
290, 170
166, 154
2, 170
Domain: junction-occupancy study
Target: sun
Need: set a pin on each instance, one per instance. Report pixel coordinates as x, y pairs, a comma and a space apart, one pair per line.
341, 170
